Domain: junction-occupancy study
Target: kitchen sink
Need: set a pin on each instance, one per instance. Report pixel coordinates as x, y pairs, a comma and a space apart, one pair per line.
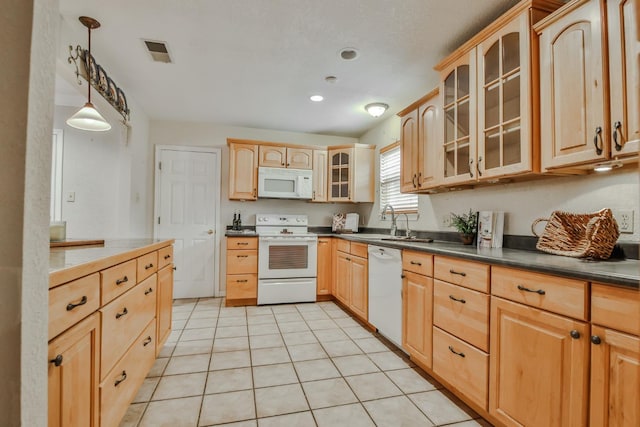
407, 239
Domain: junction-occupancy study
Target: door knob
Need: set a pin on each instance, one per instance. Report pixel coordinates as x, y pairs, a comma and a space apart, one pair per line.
210, 231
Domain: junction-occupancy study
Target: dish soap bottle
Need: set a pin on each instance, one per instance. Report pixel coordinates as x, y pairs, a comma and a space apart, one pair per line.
234, 226
239, 224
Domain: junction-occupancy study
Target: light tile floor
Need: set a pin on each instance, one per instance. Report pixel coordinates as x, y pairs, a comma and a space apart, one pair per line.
292, 365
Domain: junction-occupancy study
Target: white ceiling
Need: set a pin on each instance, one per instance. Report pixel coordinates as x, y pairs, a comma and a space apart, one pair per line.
255, 63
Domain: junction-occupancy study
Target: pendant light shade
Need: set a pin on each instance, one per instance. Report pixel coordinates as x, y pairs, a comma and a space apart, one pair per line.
88, 118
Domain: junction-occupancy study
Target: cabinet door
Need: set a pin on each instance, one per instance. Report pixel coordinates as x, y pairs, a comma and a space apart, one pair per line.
417, 295
538, 367
624, 75
299, 158
572, 105
273, 157
164, 305
615, 378
243, 172
429, 131
324, 266
343, 277
73, 375
340, 175
360, 287
504, 102
458, 89
409, 152
320, 162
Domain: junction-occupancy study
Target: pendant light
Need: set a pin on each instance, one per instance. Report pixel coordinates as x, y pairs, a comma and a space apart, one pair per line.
88, 118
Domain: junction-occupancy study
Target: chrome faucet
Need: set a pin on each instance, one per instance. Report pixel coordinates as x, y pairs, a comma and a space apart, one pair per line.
394, 227
407, 231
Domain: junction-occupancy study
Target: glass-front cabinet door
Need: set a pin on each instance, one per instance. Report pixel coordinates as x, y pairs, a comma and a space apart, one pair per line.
340, 174
459, 99
504, 102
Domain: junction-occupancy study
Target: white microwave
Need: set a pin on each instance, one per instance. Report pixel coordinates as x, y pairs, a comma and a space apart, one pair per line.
283, 183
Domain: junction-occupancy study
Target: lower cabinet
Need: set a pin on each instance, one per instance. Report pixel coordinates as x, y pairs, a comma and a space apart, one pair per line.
242, 271
539, 367
164, 305
74, 361
352, 279
417, 295
324, 266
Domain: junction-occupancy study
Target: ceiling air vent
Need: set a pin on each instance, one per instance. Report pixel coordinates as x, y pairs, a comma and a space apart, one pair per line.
158, 51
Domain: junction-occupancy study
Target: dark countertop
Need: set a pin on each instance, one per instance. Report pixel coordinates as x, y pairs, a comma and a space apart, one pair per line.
621, 272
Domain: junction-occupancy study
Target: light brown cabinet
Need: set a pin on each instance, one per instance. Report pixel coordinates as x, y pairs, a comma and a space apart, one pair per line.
352, 278
242, 271
419, 136
417, 316
285, 157
319, 177
324, 287
351, 173
576, 88
164, 305
243, 171
73, 377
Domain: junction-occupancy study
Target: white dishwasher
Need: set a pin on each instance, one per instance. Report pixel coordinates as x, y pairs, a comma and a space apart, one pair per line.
385, 292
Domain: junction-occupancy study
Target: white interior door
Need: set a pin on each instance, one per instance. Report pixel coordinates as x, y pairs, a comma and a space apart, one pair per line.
187, 205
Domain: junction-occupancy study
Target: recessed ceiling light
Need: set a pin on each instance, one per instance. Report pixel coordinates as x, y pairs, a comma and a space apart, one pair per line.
349, 53
316, 98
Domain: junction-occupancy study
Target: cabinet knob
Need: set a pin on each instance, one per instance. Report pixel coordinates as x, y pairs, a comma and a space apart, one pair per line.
57, 361
574, 334
595, 339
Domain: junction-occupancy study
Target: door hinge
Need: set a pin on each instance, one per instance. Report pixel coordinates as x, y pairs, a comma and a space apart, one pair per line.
158, 220
159, 165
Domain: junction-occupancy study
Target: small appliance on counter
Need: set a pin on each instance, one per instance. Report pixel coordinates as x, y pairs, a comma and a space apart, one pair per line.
345, 223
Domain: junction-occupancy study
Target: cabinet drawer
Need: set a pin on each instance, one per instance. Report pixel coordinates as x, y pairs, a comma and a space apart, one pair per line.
117, 280
616, 308
147, 265
123, 319
470, 274
240, 286
461, 365
360, 249
462, 312
120, 386
165, 256
72, 302
242, 262
242, 243
417, 262
343, 245
555, 294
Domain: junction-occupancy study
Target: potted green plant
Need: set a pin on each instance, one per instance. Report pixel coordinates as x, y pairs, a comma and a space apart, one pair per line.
466, 224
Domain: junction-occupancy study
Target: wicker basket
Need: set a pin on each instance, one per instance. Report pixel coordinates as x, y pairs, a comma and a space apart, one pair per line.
578, 235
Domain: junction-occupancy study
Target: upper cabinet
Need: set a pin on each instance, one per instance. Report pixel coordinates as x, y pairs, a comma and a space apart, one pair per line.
243, 171
576, 88
319, 177
419, 131
285, 157
351, 173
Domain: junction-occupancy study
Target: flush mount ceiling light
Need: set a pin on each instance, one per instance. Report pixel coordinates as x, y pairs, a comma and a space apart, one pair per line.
376, 109
88, 118
316, 98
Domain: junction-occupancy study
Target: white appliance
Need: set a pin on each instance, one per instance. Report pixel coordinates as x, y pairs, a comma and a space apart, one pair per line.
287, 259
284, 183
351, 222
385, 292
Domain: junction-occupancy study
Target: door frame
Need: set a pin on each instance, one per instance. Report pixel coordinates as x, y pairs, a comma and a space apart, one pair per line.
216, 185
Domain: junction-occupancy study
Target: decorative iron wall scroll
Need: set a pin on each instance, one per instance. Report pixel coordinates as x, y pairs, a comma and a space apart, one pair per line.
87, 68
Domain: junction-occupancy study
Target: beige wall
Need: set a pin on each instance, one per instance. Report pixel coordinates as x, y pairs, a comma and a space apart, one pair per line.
521, 202
26, 113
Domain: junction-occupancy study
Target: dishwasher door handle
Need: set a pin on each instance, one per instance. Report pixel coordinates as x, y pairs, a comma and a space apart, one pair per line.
380, 256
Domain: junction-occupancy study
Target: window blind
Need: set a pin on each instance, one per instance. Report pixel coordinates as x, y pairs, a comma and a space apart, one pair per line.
390, 183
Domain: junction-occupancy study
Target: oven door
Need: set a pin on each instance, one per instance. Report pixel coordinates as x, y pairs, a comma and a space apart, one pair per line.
282, 257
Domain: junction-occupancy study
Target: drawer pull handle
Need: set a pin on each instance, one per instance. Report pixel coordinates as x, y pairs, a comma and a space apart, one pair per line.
71, 305
459, 273
125, 279
148, 266
456, 352
574, 334
595, 140
148, 291
416, 263
146, 341
167, 256
348, 259
616, 129
119, 315
122, 378
538, 291
594, 339
242, 256
57, 361
457, 299
242, 281
242, 243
